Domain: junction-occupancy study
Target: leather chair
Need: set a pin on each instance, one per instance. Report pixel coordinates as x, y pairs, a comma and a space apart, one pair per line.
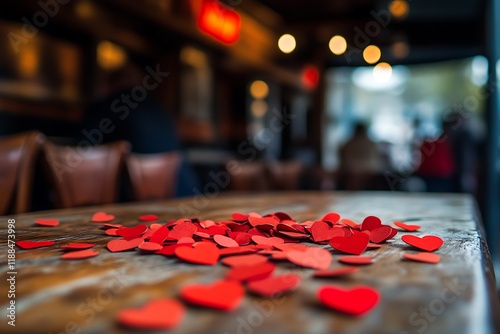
247, 176
284, 175
18, 155
153, 176
82, 176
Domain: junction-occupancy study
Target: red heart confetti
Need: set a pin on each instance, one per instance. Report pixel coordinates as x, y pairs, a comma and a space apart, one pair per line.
251, 273
381, 234
122, 245
224, 241
272, 286
150, 247
313, 257
111, 232
182, 230
423, 257
356, 301
273, 241
102, 217
406, 227
159, 235
332, 217
358, 260
77, 246
244, 260
156, 314
47, 222
335, 272
355, 244
370, 223
202, 253
130, 232
222, 295
237, 250
322, 231
28, 244
81, 254
428, 243
148, 218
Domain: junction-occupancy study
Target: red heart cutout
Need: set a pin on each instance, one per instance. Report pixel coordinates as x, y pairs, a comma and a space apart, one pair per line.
350, 223
322, 231
312, 257
182, 230
115, 226
123, 244
201, 253
157, 314
370, 223
150, 247
355, 244
251, 273
159, 235
355, 301
102, 217
239, 217
77, 255
381, 234
406, 227
77, 246
47, 222
224, 241
332, 217
244, 260
335, 272
130, 232
148, 218
428, 243
28, 244
222, 295
169, 250
423, 257
111, 232
273, 241
361, 260
272, 286
237, 251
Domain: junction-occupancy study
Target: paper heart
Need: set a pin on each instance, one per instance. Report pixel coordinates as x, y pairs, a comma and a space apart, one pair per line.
370, 223
272, 286
322, 231
156, 314
332, 217
406, 227
355, 301
335, 272
381, 234
169, 250
148, 218
244, 260
123, 244
115, 226
242, 238
81, 254
355, 244
358, 260
47, 222
312, 257
257, 221
273, 241
102, 217
77, 246
130, 232
423, 257
350, 223
150, 247
239, 217
111, 232
237, 251
201, 253
251, 273
428, 243
28, 244
182, 230
159, 235
224, 241
222, 295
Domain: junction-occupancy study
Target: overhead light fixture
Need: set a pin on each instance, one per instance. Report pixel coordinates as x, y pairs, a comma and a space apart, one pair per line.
220, 22
287, 43
338, 45
400, 49
399, 9
259, 89
372, 54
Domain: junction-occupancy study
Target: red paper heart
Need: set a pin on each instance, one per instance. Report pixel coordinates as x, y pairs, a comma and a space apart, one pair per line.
423, 257
182, 230
47, 222
380, 234
406, 227
202, 253
237, 250
335, 272
123, 244
350, 223
312, 257
355, 301
148, 218
102, 217
77, 246
370, 223
150, 247
358, 260
115, 226
111, 232
322, 231
239, 217
272, 286
77, 255
169, 250
130, 232
244, 260
251, 273
355, 244
428, 243
159, 235
222, 295
28, 244
273, 241
332, 217
156, 314
224, 241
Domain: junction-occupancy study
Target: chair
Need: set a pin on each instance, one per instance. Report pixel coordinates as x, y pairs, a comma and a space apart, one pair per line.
82, 176
18, 155
285, 175
153, 176
247, 176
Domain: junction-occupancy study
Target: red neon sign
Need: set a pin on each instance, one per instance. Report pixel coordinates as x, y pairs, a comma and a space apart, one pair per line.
219, 22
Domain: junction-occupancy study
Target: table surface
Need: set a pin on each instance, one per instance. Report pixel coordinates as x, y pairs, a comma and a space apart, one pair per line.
84, 296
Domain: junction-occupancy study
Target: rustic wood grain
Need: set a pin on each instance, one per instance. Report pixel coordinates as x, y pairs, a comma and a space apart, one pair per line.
56, 296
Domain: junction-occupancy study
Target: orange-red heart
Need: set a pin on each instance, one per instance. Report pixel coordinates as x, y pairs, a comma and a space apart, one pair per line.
370, 223
244, 260
202, 253
274, 285
423, 257
81, 254
150, 247
355, 301
335, 272
157, 314
251, 273
331, 217
123, 244
159, 235
428, 243
47, 222
148, 218
267, 241
322, 231
222, 295
28, 244
102, 217
224, 241
381, 234
312, 257
409, 228
77, 246
355, 244
359, 260
130, 232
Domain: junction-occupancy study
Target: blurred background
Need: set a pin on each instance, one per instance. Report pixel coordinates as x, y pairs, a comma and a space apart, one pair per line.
264, 95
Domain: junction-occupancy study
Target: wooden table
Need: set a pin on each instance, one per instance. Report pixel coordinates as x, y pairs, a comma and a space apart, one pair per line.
455, 296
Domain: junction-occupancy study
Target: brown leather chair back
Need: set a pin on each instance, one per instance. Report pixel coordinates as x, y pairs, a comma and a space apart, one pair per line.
18, 155
285, 175
247, 176
85, 176
153, 176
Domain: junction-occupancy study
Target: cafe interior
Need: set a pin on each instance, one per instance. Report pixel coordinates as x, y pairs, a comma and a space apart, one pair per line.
114, 102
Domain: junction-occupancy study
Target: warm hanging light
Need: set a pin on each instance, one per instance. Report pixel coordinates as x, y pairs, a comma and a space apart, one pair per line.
287, 43
220, 22
259, 89
338, 45
399, 8
371, 54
